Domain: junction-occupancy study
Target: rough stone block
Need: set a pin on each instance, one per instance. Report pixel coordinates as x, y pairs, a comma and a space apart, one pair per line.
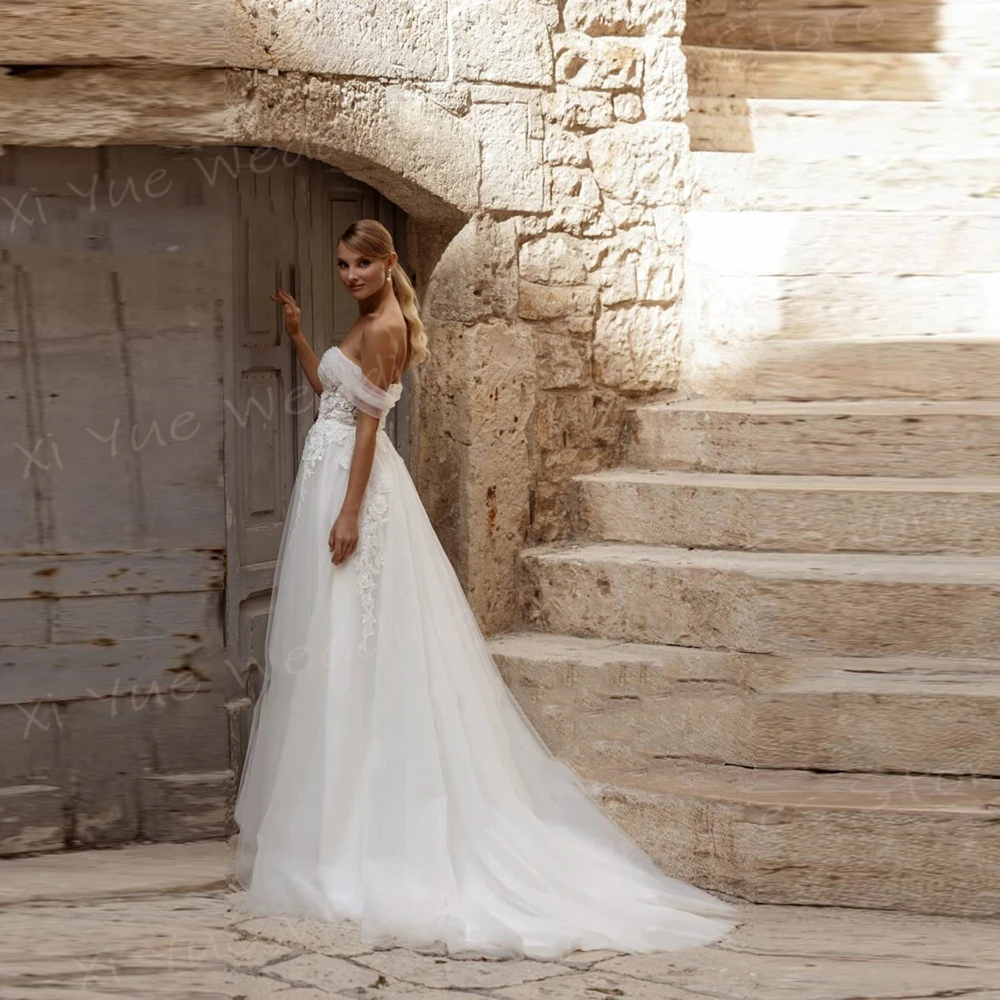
636, 348
32, 819
181, 807
624, 17
503, 43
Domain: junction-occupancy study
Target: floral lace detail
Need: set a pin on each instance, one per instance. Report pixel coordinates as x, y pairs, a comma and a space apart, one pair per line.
333, 404
335, 425
374, 514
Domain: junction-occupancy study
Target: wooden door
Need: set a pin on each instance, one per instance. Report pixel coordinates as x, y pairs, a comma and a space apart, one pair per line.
114, 288
155, 415
289, 213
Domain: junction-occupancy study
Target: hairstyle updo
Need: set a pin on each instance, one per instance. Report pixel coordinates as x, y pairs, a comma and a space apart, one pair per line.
369, 238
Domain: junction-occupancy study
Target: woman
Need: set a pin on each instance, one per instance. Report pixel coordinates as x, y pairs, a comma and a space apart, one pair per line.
392, 779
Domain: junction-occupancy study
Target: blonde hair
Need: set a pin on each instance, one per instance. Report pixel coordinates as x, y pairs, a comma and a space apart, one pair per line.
370, 238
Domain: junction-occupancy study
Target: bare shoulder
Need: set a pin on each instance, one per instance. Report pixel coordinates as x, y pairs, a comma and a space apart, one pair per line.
382, 341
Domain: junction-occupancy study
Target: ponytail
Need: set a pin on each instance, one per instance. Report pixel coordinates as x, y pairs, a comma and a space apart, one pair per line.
370, 238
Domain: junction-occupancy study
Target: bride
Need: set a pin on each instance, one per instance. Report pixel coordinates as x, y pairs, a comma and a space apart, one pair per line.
391, 777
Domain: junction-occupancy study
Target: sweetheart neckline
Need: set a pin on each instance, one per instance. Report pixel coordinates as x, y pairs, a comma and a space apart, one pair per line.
351, 361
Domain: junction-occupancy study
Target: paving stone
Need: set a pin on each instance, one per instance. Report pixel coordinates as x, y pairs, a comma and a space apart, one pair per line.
174, 946
245, 986
338, 940
739, 975
407, 991
324, 972
251, 954
594, 984
459, 973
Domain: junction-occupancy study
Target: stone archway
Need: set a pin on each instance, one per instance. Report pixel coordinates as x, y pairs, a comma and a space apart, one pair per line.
472, 377
429, 163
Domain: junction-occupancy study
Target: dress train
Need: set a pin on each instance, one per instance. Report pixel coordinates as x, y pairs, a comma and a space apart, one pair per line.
392, 778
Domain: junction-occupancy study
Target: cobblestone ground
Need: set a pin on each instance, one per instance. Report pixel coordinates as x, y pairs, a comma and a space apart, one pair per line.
158, 921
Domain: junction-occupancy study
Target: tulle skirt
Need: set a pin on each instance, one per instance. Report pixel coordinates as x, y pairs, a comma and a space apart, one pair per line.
393, 780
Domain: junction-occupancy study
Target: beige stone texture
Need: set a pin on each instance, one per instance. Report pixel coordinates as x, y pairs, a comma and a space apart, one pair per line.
856, 76
176, 938
645, 163
636, 347
940, 367
563, 362
665, 93
624, 17
776, 602
599, 63
764, 821
966, 28
198, 33
595, 701
800, 513
502, 43
795, 128
870, 437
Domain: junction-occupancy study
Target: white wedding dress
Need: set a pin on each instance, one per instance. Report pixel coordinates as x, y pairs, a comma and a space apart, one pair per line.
391, 777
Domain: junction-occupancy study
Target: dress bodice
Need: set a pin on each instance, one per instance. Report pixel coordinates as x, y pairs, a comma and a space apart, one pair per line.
346, 390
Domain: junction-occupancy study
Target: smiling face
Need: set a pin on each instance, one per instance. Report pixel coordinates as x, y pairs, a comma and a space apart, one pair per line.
362, 276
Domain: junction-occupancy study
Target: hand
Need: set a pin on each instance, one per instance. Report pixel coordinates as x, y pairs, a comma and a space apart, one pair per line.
293, 314
343, 537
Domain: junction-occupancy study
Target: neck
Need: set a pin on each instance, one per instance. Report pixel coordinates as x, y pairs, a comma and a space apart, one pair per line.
377, 302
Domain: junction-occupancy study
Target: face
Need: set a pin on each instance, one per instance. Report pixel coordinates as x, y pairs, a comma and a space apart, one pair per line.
362, 275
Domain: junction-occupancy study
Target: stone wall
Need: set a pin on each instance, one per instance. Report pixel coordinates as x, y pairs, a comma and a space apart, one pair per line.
539, 150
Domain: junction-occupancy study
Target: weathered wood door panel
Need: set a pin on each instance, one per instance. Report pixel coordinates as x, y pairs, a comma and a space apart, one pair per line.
115, 269
155, 414
290, 213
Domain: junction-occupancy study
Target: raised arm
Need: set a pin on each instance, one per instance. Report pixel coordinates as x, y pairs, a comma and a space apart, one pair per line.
293, 327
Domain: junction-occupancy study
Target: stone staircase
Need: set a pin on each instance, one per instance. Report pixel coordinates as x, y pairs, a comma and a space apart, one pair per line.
772, 647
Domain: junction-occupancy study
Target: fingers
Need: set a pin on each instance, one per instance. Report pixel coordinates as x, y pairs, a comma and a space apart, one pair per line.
341, 550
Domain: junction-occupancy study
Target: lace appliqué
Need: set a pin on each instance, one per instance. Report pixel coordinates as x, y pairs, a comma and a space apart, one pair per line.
335, 426
374, 514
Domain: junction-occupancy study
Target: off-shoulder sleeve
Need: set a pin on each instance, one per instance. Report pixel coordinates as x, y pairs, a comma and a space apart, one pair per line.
362, 392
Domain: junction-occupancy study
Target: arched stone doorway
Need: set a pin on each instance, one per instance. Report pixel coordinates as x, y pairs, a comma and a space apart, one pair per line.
157, 414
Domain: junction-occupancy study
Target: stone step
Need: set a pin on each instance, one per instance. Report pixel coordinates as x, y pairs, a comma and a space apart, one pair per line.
150, 870
971, 27
842, 604
918, 843
32, 820
714, 510
848, 438
595, 701
810, 181
791, 128
937, 367
803, 243
838, 76
724, 312
184, 807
